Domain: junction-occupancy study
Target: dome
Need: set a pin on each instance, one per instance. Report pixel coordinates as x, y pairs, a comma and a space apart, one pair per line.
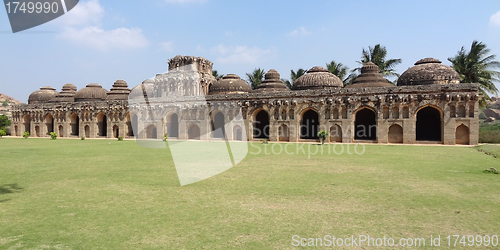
119, 91
429, 71
92, 92
272, 83
317, 78
137, 90
44, 95
370, 77
230, 84
67, 94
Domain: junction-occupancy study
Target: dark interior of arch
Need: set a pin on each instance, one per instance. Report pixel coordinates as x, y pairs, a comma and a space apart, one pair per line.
174, 126
261, 125
218, 126
309, 125
365, 125
428, 124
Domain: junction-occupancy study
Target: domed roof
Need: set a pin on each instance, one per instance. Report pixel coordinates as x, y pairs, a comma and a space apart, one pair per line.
230, 84
92, 92
138, 92
44, 95
370, 77
429, 71
271, 83
119, 91
67, 94
317, 78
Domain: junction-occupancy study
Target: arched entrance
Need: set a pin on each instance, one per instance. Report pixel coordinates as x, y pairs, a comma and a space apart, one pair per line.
75, 124
37, 131
336, 133
218, 126
16, 132
102, 125
309, 124
261, 125
428, 124
135, 125
462, 135
283, 133
395, 134
237, 133
116, 131
194, 132
128, 123
60, 133
365, 125
173, 125
87, 131
151, 132
27, 123
49, 123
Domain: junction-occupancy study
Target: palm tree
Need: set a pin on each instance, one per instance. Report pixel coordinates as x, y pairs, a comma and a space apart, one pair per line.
341, 71
216, 74
294, 76
255, 78
377, 56
476, 66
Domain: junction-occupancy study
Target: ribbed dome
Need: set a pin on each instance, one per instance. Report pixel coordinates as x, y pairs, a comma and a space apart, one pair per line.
92, 92
272, 83
230, 84
44, 95
429, 71
119, 91
317, 78
137, 91
370, 77
67, 94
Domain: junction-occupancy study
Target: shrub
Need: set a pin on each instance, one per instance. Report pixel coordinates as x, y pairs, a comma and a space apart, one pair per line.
120, 138
26, 135
323, 135
83, 138
53, 135
165, 137
265, 141
2, 133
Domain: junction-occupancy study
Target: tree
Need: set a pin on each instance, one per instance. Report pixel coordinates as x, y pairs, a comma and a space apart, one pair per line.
5, 103
377, 56
4, 121
323, 135
476, 66
2, 133
255, 78
294, 76
341, 71
216, 74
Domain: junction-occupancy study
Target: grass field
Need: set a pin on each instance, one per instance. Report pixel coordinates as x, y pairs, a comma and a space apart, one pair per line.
106, 194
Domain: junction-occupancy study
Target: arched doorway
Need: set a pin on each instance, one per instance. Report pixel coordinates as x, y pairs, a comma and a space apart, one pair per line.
283, 133
462, 135
365, 125
49, 123
135, 125
116, 131
16, 132
218, 126
102, 125
37, 131
173, 125
151, 132
336, 133
194, 132
75, 124
395, 134
60, 133
309, 125
87, 131
128, 123
237, 133
261, 125
428, 124
27, 123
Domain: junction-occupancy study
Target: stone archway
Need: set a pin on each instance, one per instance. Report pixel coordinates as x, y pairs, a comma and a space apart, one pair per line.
61, 129
75, 124
283, 133
218, 126
116, 131
395, 134
237, 133
365, 125
102, 125
173, 125
428, 124
49, 123
462, 135
336, 133
151, 132
261, 125
87, 131
309, 125
27, 123
194, 132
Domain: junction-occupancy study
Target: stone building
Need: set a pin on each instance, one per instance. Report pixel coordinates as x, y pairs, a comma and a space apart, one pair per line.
428, 105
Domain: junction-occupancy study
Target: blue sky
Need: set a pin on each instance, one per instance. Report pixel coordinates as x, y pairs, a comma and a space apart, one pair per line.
102, 41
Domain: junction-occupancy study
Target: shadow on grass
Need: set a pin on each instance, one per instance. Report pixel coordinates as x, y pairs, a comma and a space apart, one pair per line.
4, 200
10, 188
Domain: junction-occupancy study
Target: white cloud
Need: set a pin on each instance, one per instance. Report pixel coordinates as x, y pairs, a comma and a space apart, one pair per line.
167, 46
239, 54
495, 19
82, 25
95, 37
84, 13
301, 31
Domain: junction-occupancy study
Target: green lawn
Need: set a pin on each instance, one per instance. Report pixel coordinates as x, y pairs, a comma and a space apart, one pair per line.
106, 194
